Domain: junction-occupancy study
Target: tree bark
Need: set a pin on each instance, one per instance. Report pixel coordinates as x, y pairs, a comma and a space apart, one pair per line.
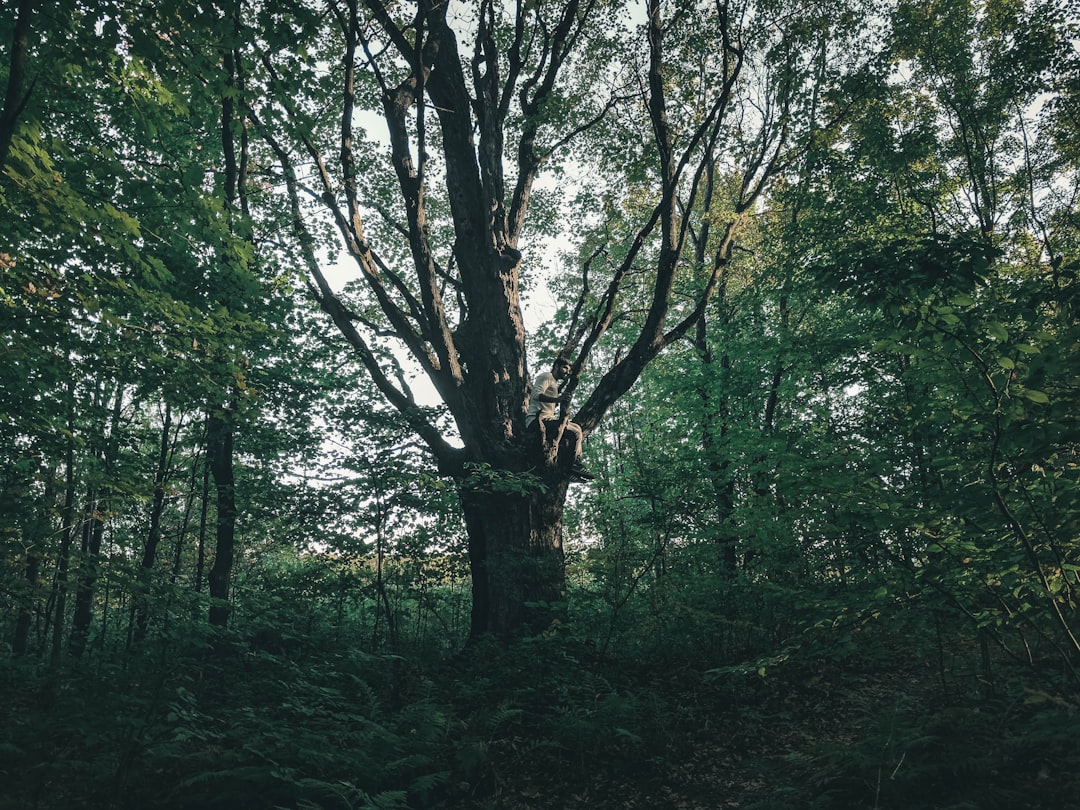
153, 535
219, 440
93, 531
14, 97
515, 556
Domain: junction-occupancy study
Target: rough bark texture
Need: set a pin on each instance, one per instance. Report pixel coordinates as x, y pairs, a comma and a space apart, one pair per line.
516, 559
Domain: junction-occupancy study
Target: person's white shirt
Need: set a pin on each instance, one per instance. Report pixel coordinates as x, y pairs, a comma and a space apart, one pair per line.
547, 385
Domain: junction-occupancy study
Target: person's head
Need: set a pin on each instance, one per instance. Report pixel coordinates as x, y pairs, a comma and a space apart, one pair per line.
561, 367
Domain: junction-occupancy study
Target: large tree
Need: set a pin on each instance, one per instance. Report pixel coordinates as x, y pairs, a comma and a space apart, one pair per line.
671, 117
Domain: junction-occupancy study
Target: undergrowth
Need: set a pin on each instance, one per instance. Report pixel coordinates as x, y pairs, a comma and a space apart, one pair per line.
820, 722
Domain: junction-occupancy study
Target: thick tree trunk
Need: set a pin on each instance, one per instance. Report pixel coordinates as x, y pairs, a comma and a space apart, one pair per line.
515, 555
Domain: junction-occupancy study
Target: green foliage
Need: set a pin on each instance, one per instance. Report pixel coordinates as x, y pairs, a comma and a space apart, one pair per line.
230, 729
903, 274
831, 559
904, 753
484, 478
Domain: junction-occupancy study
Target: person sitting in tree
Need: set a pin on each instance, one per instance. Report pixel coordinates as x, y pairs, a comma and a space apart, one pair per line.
543, 397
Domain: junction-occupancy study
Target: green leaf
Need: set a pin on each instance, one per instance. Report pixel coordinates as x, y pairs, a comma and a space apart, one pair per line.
1037, 396
193, 175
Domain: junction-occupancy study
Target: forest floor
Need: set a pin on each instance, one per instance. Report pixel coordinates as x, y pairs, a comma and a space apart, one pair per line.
728, 757
885, 722
717, 766
882, 729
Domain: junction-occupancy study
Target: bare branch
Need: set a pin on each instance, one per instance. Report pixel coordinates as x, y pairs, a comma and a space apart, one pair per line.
534, 92
402, 400
576, 331
386, 22
351, 230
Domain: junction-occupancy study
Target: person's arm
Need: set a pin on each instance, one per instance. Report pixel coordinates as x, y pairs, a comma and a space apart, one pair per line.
551, 385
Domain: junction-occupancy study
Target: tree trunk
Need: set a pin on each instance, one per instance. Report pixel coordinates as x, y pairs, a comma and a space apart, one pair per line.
515, 556
14, 97
204, 507
93, 532
715, 419
62, 582
67, 534
382, 598
25, 616
153, 536
35, 533
185, 520
219, 439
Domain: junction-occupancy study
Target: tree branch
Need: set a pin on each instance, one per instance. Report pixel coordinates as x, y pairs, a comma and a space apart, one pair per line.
403, 401
14, 99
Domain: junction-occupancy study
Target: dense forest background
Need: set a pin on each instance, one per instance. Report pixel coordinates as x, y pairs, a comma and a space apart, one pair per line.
831, 558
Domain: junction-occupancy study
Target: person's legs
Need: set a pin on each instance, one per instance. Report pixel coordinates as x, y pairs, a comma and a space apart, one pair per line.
571, 437
572, 434
571, 440
574, 431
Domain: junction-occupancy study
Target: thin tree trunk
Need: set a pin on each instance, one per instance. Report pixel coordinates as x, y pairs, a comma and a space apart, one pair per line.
25, 617
34, 533
15, 98
200, 559
67, 534
153, 535
185, 520
219, 454
714, 427
382, 599
93, 534
219, 424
